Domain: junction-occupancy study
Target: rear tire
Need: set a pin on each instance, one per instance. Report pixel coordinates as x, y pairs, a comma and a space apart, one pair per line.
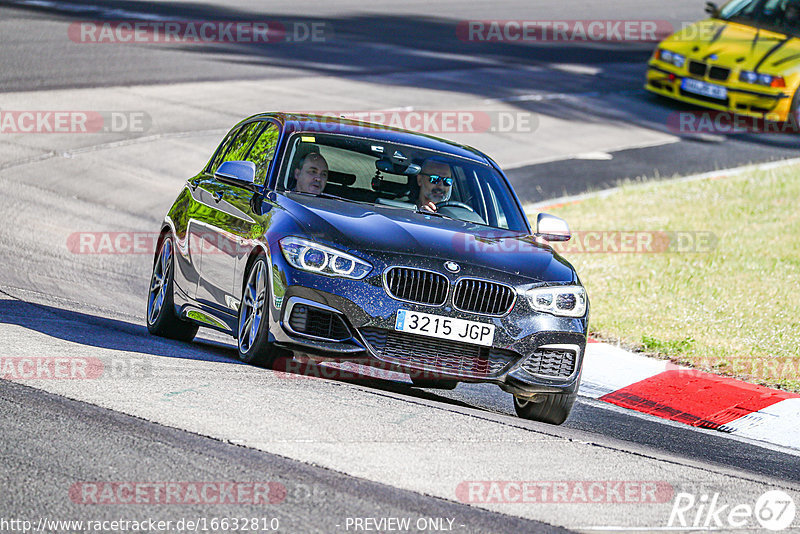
161, 317
552, 408
253, 330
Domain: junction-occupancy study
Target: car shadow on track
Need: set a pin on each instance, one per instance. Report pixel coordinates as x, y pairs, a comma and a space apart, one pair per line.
369, 377
114, 334
589, 417
106, 333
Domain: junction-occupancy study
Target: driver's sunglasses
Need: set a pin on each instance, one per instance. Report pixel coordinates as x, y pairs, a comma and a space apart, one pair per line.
435, 179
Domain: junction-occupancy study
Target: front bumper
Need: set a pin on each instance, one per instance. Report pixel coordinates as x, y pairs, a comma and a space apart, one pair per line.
532, 352
768, 104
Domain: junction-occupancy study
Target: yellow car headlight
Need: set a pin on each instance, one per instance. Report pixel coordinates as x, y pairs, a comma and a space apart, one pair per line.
766, 80
673, 58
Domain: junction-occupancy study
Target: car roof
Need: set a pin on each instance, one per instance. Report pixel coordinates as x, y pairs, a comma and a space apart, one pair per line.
301, 122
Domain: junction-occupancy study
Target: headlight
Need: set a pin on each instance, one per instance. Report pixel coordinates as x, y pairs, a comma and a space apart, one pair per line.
671, 57
316, 258
748, 77
767, 80
565, 301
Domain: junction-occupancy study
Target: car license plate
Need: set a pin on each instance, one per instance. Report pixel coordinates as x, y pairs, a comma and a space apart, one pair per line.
426, 324
702, 88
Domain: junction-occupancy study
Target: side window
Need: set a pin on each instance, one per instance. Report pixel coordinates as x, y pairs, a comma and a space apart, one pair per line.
263, 151
223, 149
240, 146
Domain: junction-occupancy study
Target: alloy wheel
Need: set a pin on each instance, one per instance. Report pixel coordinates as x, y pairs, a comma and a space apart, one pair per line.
159, 282
250, 317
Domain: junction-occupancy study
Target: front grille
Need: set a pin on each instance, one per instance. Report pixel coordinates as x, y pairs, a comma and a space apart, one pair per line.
714, 72
551, 362
719, 73
416, 285
697, 68
481, 296
315, 322
448, 357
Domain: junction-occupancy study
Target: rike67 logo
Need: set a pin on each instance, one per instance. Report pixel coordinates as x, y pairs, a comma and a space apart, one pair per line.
774, 510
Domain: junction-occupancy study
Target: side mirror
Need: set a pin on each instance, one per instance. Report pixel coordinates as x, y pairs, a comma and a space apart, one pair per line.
712, 9
237, 172
552, 228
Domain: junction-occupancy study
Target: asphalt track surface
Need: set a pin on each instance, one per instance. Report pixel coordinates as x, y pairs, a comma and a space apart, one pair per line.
54, 435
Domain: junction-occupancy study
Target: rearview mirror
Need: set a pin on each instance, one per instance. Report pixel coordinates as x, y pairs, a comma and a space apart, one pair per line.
238, 172
390, 167
712, 9
552, 228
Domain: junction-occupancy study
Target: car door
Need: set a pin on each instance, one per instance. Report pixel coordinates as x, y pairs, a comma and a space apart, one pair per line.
231, 221
197, 200
262, 155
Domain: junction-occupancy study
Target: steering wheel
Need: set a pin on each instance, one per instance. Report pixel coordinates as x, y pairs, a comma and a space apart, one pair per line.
454, 204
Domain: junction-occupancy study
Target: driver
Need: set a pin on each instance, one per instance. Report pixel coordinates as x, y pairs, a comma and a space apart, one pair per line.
435, 181
311, 174
791, 13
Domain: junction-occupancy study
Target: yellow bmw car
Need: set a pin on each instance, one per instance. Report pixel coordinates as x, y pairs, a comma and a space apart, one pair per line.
745, 60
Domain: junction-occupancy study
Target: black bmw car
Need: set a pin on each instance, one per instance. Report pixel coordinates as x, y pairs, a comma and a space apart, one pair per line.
359, 242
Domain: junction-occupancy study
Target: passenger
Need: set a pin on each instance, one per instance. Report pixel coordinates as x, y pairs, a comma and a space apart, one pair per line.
791, 14
311, 174
435, 182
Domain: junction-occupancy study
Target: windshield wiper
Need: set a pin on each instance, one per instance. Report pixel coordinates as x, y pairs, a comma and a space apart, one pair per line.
323, 195
436, 213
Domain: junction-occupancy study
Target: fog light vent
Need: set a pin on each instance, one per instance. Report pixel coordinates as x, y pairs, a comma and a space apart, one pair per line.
318, 323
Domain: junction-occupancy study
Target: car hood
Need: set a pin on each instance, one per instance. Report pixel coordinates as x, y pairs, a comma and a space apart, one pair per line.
736, 45
383, 231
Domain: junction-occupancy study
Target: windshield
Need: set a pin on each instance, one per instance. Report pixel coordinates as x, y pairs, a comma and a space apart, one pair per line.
778, 15
399, 176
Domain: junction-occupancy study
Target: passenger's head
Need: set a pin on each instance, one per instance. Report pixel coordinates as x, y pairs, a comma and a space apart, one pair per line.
311, 174
791, 12
435, 182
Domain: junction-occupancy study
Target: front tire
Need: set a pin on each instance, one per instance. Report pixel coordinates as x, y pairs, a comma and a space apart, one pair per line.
253, 331
161, 317
552, 408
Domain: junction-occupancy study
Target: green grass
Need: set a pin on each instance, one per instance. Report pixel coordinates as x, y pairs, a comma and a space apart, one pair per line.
732, 309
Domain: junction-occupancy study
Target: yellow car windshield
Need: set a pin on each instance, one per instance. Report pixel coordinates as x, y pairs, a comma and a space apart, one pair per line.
775, 15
